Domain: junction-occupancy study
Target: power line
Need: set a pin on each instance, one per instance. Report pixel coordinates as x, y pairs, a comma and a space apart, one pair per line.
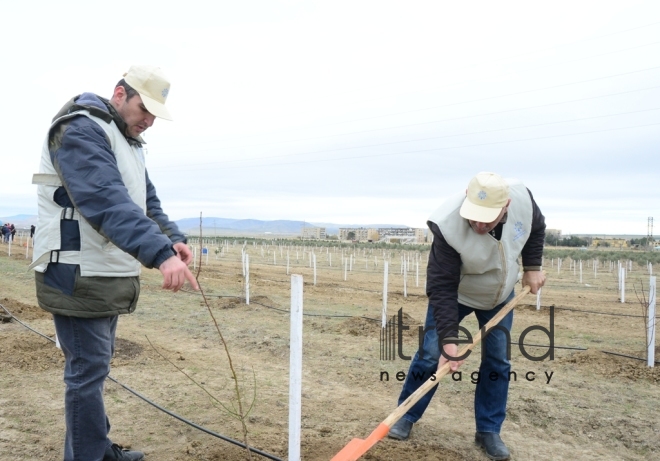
435, 149
421, 139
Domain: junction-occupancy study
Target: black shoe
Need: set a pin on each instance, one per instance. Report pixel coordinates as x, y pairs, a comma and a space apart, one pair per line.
116, 453
400, 430
492, 443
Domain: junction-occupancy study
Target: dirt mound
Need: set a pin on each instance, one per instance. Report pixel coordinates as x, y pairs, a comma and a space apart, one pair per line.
612, 365
361, 326
23, 311
27, 351
127, 350
225, 303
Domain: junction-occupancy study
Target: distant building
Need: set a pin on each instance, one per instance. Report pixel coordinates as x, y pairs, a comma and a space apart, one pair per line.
358, 234
402, 235
317, 233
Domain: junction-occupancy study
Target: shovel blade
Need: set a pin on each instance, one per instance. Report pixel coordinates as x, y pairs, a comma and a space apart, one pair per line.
358, 447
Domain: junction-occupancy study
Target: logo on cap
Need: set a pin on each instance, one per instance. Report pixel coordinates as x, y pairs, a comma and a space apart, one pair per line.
165, 92
482, 195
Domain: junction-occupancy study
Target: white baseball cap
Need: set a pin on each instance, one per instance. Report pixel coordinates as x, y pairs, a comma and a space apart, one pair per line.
153, 87
487, 194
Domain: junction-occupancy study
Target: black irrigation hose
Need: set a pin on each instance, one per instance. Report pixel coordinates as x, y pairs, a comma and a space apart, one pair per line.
599, 313
367, 318
196, 426
628, 356
174, 415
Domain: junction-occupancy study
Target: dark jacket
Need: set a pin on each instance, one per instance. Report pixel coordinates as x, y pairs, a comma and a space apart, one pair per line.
444, 270
83, 159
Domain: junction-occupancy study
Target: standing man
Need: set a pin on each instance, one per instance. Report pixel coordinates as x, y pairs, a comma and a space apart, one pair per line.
99, 221
473, 267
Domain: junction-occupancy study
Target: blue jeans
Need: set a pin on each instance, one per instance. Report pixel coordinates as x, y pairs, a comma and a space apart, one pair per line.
489, 396
88, 345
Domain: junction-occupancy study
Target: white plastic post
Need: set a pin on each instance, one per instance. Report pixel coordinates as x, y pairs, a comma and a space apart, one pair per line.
384, 321
538, 300
330, 259
314, 262
595, 268
580, 271
558, 265
27, 249
623, 284
345, 268
287, 262
650, 322
9, 249
405, 277
194, 257
295, 367
351, 263
417, 273
247, 278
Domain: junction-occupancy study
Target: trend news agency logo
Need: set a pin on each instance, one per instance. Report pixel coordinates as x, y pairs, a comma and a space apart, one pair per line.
391, 342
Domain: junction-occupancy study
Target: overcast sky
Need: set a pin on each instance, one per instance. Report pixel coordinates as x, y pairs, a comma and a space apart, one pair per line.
357, 111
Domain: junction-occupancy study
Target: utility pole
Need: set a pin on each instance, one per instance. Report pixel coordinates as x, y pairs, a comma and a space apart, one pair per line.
649, 237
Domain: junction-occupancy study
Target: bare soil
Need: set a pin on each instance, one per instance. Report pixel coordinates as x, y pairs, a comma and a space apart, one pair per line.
583, 404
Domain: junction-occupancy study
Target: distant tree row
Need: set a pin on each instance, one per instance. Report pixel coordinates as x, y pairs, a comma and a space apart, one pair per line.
572, 241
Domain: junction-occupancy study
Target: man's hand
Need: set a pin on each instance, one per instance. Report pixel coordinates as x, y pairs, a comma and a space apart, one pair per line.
183, 252
535, 280
452, 351
175, 272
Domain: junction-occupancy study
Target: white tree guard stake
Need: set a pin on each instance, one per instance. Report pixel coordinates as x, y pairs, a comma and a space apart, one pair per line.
295, 367
405, 279
623, 284
558, 265
194, 257
330, 259
351, 263
595, 268
345, 268
310, 260
9, 249
538, 300
27, 249
580, 271
274, 259
314, 262
650, 322
417, 273
287, 262
384, 316
247, 279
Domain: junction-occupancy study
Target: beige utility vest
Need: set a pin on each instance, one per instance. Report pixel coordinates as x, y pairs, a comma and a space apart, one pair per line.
489, 268
97, 255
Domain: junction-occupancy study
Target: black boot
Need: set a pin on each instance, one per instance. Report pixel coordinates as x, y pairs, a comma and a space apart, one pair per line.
493, 445
400, 430
116, 453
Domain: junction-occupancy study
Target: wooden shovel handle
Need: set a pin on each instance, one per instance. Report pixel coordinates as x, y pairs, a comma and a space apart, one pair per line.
444, 369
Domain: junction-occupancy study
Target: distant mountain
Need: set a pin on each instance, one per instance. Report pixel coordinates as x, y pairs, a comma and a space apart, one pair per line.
220, 226
20, 221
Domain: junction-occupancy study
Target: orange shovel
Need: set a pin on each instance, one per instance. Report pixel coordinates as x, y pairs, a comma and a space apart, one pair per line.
358, 447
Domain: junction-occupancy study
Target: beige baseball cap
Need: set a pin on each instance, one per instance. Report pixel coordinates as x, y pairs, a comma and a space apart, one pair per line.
487, 194
153, 87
